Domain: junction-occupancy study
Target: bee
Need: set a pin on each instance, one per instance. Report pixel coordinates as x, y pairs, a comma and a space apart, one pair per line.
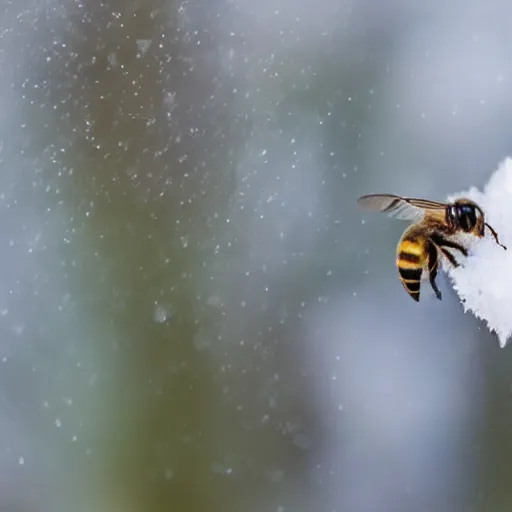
431, 234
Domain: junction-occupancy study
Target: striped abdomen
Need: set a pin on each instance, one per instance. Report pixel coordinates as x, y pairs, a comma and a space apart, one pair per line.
410, 260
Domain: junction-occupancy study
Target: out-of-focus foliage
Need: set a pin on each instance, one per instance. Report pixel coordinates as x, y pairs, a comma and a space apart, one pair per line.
194, 313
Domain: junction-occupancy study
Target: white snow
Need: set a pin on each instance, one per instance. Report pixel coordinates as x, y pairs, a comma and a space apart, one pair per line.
484, 280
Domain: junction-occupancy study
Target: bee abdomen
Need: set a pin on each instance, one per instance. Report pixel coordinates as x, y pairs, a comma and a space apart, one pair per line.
409, 257
411, 279
410, 266
410, 276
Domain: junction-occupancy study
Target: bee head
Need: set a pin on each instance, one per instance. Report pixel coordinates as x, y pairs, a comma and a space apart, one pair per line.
466, 215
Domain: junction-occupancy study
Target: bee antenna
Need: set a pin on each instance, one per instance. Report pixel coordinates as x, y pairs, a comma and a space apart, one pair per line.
495, 235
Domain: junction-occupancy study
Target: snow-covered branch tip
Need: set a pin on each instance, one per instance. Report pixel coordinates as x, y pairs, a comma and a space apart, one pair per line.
484, 280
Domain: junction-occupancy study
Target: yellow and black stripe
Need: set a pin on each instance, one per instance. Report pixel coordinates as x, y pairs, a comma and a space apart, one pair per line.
410, 262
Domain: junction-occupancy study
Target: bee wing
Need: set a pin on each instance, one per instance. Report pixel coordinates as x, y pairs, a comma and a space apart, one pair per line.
405, 208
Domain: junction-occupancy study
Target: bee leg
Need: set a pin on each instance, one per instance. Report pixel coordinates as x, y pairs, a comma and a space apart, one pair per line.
443, 244
449, 256
441, 241
433, 267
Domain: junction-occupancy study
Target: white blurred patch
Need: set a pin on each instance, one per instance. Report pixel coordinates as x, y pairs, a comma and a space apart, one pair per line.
484, 282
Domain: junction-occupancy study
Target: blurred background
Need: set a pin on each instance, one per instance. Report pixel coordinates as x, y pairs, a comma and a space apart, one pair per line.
194, 313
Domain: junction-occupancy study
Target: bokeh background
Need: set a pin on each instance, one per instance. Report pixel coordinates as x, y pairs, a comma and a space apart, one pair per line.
194, 313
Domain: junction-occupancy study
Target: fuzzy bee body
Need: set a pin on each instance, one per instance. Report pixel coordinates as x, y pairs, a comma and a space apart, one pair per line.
417, 256
411, 260
431, 236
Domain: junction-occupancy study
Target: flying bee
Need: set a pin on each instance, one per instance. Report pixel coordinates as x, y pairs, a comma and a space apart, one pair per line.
431, 234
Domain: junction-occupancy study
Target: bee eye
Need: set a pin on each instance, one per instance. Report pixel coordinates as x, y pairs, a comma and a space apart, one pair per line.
467, 216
